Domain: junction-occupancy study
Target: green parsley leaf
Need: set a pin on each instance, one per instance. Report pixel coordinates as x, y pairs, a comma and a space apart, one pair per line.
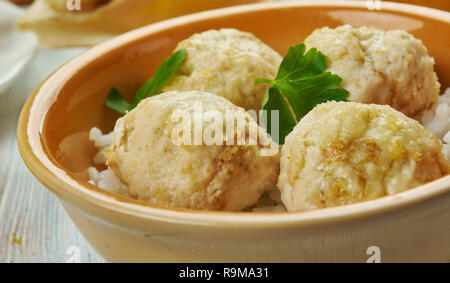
275, 100
300, 85
165, 71
117, 102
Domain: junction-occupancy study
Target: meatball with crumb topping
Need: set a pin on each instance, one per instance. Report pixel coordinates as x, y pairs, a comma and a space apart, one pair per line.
226, 62
346, 152
155, 152
382, 67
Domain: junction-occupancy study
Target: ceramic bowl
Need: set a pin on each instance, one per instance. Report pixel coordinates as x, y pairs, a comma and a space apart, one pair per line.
52, 137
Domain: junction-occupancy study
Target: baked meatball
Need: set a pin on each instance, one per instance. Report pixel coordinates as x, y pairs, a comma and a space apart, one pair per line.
155, 151
226, 62
382, 67
346, 152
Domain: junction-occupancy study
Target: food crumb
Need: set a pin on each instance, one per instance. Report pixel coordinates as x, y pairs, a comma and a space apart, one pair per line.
14, 239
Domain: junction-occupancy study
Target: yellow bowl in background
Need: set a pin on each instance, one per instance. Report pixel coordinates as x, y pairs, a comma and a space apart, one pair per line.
52, 138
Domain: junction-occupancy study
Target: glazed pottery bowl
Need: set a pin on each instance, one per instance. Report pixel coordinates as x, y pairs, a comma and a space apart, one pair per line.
52, 137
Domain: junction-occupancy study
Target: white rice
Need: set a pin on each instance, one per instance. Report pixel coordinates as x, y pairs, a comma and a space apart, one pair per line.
102, 142
105, 179
436, 120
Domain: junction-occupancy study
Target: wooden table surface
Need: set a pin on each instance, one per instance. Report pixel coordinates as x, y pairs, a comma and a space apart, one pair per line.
33, 225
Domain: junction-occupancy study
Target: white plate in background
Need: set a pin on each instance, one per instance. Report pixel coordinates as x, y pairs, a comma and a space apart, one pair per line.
16, 47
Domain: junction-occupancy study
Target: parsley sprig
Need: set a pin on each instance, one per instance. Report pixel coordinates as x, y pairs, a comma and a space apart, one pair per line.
165, 71
300, 85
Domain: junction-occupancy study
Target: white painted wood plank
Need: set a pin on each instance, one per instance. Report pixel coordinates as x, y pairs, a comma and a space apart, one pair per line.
33, 225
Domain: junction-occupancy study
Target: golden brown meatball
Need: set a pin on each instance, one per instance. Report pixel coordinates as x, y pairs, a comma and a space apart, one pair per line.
150, 154
382, 67
345, 152
226, 62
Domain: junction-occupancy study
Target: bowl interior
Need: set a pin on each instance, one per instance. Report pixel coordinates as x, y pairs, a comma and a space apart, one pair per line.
80, 103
